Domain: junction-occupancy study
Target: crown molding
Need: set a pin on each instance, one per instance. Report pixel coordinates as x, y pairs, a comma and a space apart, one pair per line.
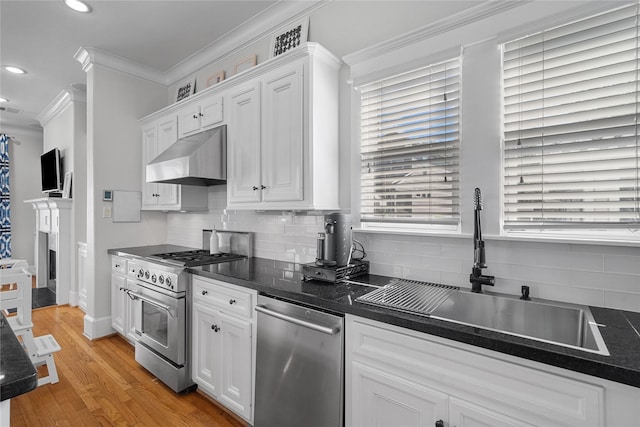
13, 130
60, 102
89, 56
246, 34
460, 19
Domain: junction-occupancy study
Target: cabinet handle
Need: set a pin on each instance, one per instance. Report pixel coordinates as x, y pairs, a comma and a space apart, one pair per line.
195, 117
215, 328
232, 301
204, 292
439, 423
117, 265
255, 188
262, 187
201, 115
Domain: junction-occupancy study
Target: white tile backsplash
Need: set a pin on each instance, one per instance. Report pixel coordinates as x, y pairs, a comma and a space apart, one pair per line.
599, 275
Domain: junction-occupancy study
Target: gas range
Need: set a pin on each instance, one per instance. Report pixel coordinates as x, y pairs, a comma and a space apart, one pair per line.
194, 258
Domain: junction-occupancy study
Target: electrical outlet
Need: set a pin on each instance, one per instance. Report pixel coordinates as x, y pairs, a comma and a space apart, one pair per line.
106, 212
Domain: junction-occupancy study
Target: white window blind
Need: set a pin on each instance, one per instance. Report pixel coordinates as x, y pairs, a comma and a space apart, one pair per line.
571, 125
410, 146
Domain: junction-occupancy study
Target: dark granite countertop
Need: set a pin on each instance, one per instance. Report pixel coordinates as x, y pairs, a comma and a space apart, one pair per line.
17, 373
284, 280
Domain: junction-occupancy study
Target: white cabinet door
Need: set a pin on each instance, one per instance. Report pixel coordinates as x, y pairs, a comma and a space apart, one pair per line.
382, 399
243, 144
168, 194
465, 414
282, 136
236, 391
197, 117
130, 313
212, 112
206, 347
149, 150
118, 303
189, 120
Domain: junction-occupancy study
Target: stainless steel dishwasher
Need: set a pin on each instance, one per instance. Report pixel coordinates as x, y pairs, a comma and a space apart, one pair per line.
299, 368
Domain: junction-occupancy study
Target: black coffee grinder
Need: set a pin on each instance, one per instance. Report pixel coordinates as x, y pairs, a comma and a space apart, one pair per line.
334, 261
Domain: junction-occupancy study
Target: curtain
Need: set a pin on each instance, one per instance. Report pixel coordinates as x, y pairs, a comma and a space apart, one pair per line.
5, 199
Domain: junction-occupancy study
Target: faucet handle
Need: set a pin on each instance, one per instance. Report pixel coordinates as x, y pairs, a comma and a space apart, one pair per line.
525, 293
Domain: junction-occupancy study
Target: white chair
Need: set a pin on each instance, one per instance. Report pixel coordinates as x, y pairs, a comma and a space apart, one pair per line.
15, 274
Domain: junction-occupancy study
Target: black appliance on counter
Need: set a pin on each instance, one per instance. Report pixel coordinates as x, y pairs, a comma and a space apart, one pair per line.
334, 253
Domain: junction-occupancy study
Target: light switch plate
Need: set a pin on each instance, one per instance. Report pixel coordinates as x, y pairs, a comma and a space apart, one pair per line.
106, 212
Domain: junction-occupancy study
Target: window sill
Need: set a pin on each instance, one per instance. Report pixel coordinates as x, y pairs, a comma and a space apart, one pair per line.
577, 240
406, 232
507, 237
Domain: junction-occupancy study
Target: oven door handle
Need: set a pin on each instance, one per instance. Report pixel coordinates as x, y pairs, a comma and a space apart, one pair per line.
167, 308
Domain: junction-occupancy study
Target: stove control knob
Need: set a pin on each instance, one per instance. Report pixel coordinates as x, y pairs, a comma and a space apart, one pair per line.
169, 282
146, 274
153, 278
141, 273
161, 279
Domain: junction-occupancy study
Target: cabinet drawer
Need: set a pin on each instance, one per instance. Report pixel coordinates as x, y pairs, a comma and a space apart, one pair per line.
227, 298
119, 264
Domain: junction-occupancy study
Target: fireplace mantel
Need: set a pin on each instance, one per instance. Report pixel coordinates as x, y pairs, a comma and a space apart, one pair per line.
53, 231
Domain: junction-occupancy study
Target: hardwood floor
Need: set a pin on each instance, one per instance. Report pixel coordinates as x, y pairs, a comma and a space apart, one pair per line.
102, 385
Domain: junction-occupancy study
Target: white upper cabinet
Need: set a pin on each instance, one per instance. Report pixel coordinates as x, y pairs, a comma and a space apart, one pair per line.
199, 116
283, 134
282, 143
244, 142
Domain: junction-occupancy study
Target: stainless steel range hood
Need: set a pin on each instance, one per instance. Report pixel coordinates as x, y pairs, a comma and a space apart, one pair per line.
199, 159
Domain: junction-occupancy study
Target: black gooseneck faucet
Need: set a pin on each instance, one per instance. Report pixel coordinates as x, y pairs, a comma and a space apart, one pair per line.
476, 277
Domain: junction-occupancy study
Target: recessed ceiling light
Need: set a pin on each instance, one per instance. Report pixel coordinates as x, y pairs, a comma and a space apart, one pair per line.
14, 70
78, 6
3, 99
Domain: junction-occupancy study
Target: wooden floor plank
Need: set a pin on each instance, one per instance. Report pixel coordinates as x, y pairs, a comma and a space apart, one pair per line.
102, 385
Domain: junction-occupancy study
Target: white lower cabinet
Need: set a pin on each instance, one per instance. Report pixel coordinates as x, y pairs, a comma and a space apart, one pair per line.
388, 400
223, 344
399, 377
122, 307
118, 303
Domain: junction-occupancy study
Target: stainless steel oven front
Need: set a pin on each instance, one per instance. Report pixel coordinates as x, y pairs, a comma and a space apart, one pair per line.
160, 322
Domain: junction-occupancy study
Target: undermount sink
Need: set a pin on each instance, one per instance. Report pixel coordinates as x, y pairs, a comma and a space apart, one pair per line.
564, 324
554, 322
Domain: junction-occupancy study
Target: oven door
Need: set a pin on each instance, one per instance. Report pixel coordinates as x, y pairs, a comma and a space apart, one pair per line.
160, 320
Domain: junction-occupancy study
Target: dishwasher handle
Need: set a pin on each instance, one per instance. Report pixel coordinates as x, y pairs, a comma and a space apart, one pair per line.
300, 322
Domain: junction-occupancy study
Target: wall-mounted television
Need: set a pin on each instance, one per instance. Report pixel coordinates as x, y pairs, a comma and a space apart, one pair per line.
51, 171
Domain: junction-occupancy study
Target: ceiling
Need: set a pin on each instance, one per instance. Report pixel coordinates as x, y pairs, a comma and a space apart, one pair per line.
43, 36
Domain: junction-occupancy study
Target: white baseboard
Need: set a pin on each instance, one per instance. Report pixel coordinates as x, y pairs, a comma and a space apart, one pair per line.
97, 328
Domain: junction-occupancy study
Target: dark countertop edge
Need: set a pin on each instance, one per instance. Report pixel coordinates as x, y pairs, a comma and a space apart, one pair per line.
20, 376
549, 354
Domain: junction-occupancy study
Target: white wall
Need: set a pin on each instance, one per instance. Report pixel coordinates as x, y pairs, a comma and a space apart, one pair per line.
596, 274
65, 127
24, 181
114, 161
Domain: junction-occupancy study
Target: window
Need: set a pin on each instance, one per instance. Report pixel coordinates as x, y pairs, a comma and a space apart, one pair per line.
410, 147
571, 152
